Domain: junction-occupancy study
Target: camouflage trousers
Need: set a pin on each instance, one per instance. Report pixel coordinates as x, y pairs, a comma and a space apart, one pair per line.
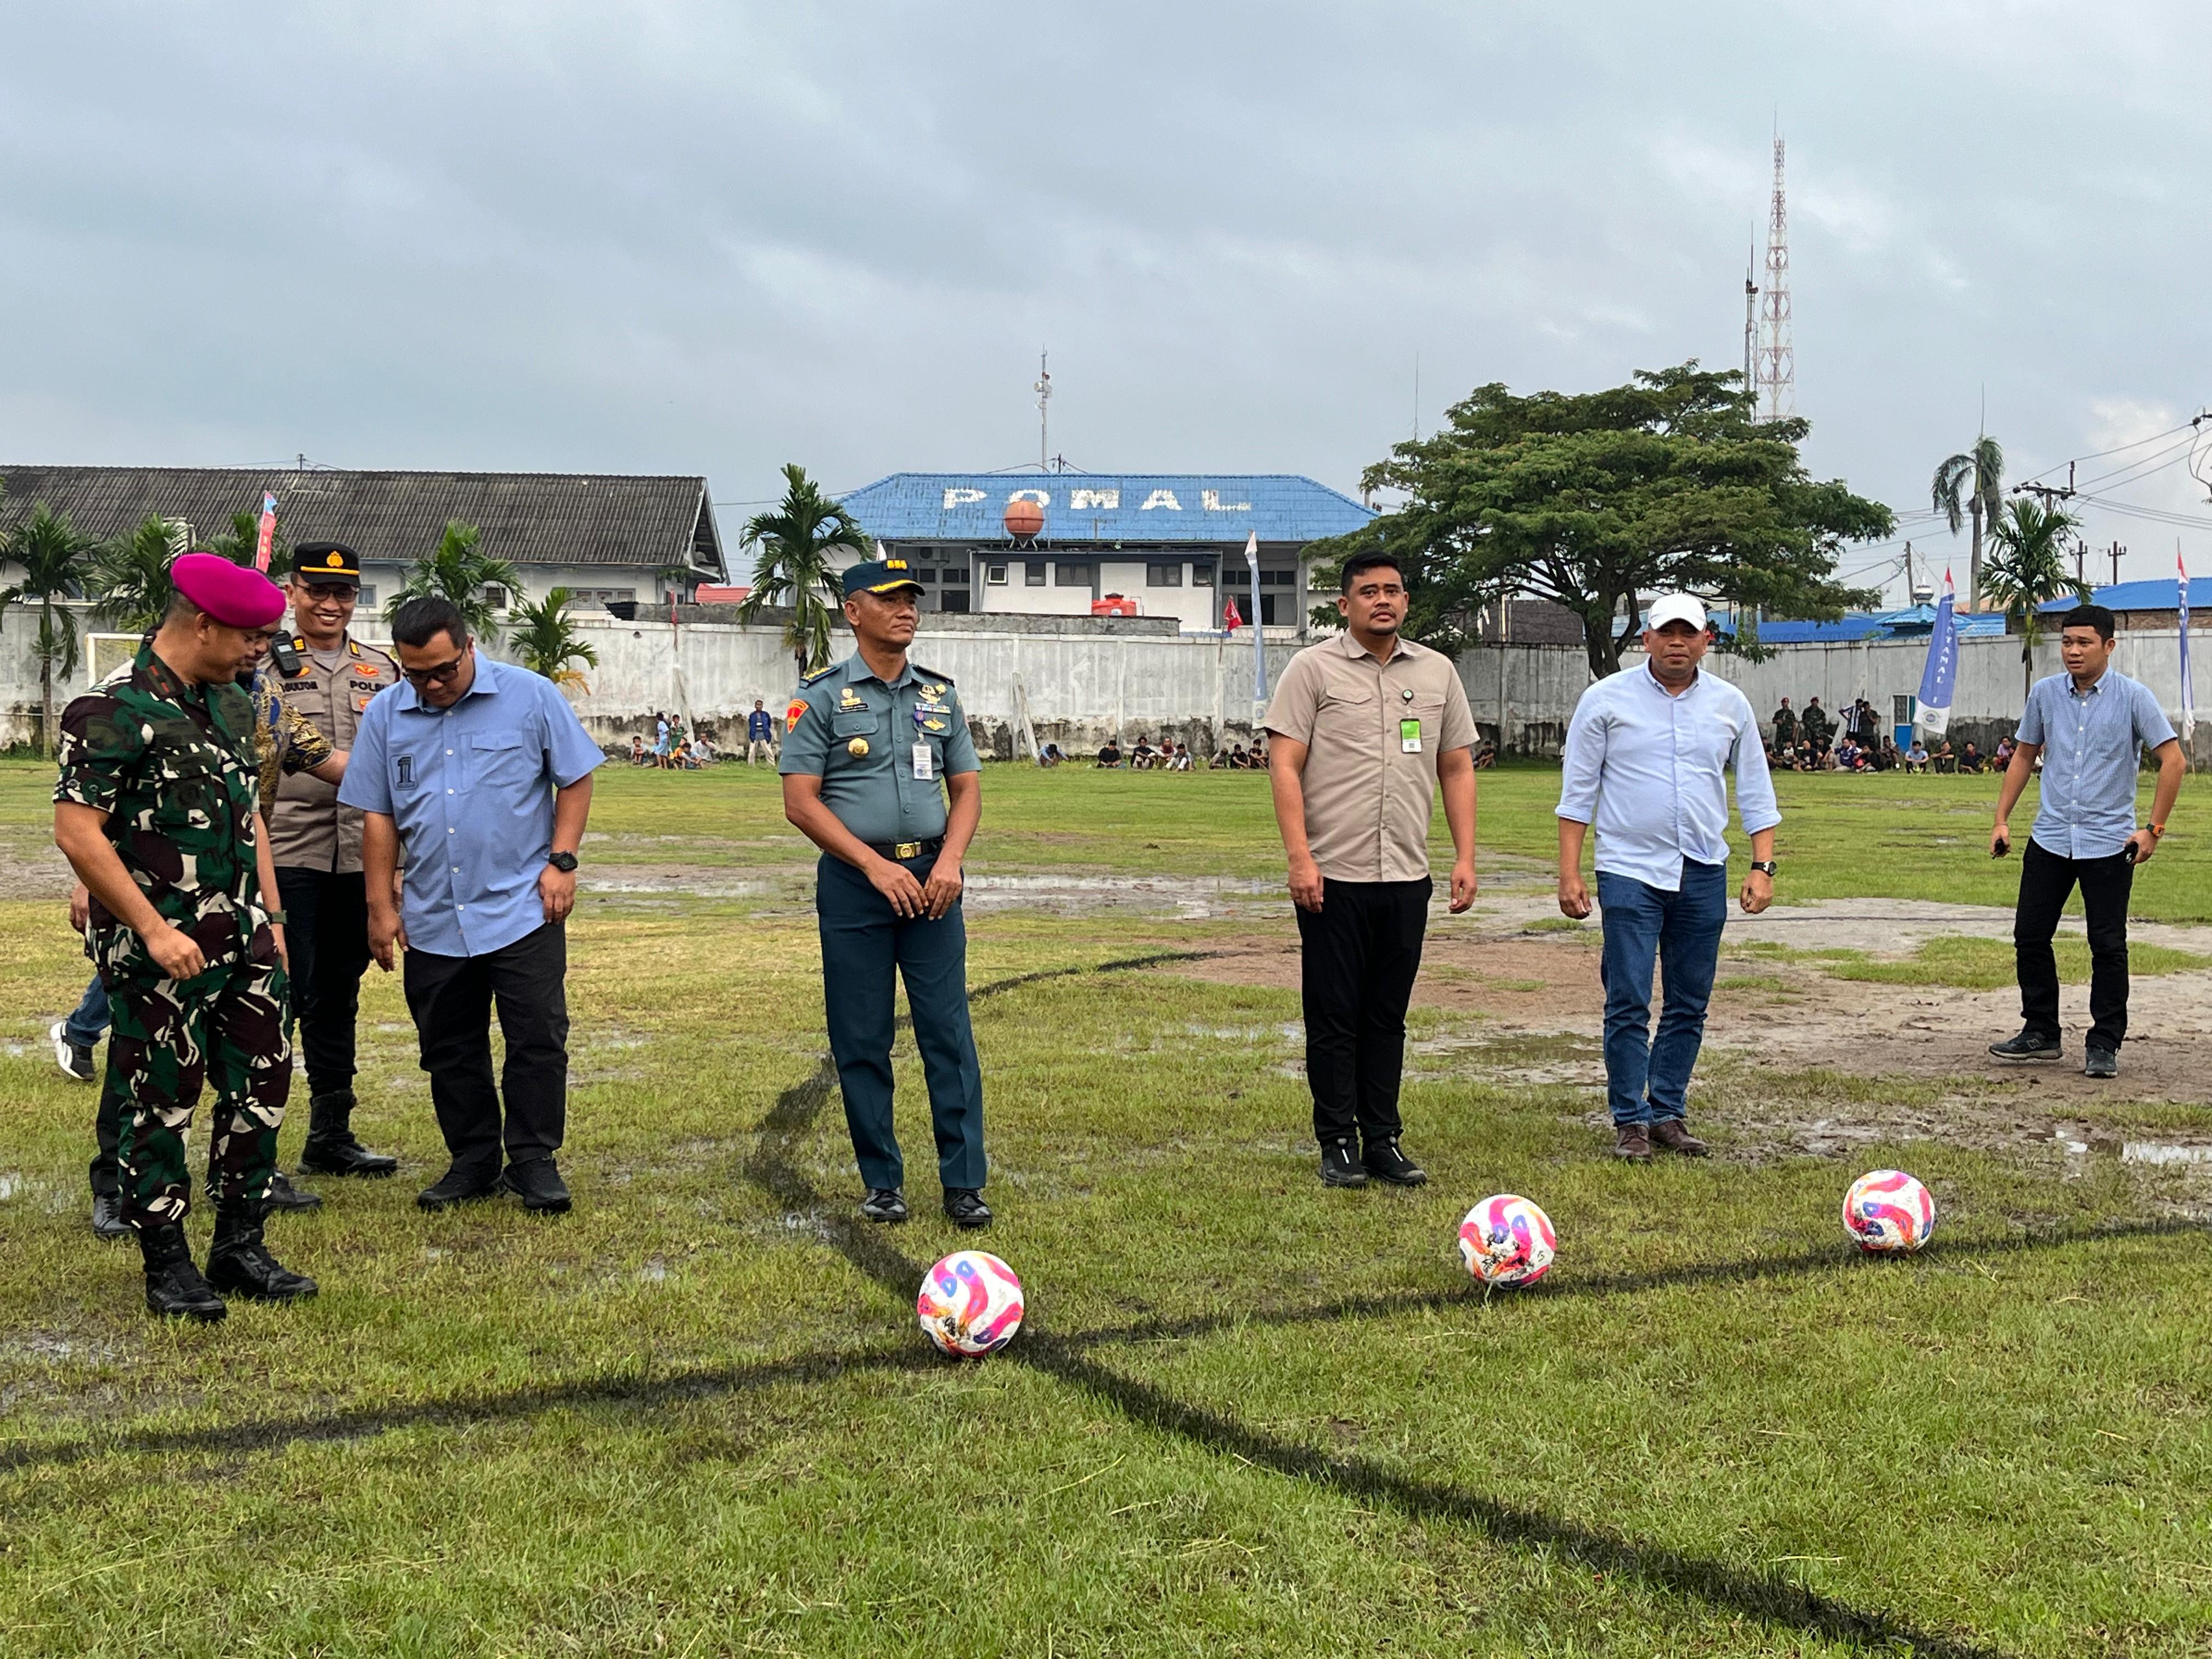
226, 1028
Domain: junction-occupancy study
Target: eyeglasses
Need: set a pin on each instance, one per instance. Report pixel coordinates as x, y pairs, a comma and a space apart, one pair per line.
441, 675
332, 593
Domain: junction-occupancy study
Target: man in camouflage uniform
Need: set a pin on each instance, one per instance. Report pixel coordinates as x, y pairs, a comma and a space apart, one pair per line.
157, 808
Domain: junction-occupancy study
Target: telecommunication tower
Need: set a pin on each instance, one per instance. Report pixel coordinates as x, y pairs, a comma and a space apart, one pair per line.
1750, 322
1778, 360
1043, 390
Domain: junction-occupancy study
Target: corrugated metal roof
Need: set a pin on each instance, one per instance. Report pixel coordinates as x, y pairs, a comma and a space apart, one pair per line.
2163, 593
1220, 507
1915, 621
392, 517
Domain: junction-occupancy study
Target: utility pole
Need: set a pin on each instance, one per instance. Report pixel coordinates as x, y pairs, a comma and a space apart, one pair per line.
2117, 551
1777, 359
1911, 586
1043, 390
2081, 553
2049, 494
1750, 325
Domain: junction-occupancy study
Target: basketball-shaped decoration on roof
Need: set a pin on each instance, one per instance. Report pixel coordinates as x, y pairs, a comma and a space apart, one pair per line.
1024, 519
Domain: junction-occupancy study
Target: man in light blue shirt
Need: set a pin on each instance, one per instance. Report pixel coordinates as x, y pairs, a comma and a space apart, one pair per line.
1646, 751
2091, 725
482, 772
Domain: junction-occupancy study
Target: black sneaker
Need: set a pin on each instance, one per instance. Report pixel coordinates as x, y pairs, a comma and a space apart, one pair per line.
965, 1207
884, 1204
2028, 1045
538, 1183
458, 1186
2101, 1062
1386, 1161
1340, 1165
74, 1059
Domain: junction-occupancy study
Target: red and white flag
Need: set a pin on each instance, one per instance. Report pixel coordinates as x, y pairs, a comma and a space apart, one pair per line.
268, 536
1230, 616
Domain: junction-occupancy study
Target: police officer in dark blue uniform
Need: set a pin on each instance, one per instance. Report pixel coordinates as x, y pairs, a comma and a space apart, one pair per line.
880, 772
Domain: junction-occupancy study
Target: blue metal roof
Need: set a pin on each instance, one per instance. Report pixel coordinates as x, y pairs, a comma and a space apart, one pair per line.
1915, 621
1220, 507
2161, 594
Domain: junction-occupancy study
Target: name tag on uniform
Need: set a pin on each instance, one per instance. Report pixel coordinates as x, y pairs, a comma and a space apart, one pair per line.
924, 767
1409, 737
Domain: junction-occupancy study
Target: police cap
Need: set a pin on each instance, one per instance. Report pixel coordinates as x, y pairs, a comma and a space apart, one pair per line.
326, 562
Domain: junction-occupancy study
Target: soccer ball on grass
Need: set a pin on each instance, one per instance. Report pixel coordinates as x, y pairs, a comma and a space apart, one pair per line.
1507, 1240
970, 1304
1887, 1209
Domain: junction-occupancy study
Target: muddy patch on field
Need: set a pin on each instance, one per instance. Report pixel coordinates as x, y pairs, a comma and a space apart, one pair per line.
1193, 898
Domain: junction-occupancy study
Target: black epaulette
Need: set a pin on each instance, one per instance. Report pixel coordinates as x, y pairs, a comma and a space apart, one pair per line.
932, 674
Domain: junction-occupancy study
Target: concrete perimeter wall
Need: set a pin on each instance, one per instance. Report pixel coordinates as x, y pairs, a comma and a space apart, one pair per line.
1087, 678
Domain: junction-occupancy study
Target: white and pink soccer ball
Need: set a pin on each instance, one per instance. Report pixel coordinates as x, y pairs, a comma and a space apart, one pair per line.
1887, 1209
1507, 1240
970, 1304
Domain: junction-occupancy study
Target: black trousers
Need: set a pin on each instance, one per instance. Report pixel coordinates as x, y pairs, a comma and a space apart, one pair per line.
2045, 881
326, 930
1360, 954
451, 999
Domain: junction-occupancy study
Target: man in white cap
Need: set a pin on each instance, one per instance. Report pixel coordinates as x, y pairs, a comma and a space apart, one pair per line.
1645, 754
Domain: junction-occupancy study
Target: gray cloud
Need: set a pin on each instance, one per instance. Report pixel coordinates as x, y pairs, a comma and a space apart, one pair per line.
716, 237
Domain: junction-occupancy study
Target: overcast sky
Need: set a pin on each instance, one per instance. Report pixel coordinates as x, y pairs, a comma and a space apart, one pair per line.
714, 237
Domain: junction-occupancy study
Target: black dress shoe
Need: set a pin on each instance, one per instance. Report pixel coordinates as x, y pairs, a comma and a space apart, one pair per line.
884, 1204
175, 1289
965, 1207
331, 1147
1386, 1161
283, 1195
2101, 1062
240, 1264
1339, 1168
2028, 1045
538, 1185
107, 1220
459, 1186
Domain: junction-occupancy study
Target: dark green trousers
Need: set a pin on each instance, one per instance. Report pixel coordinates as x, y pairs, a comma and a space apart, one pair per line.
866, 947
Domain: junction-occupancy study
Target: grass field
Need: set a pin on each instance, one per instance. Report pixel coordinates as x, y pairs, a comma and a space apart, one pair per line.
1246, 1416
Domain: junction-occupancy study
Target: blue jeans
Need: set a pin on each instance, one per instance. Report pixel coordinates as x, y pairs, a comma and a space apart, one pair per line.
1647, 1079
90, 1022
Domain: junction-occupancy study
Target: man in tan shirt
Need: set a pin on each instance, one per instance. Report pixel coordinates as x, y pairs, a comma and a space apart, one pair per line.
1365, 726
329, 677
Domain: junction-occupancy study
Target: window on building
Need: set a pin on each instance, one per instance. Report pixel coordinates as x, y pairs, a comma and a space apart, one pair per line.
495, 596
1071, 575
1278, 578
1033, 574
1268, 608
995, 574
924, 575
1202, 575
368, 595
1163, 575
953, 599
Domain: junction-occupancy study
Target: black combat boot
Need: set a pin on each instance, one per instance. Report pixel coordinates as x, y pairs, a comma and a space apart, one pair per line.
332, 1148
175, 1288
241, 1265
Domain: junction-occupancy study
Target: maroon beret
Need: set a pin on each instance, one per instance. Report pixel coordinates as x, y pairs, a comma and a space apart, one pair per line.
230, 593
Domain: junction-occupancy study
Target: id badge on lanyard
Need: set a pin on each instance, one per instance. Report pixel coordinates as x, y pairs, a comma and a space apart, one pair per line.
925, 768
1409, 736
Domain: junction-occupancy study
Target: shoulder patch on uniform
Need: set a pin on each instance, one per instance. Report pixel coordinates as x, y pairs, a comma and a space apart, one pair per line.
793, 714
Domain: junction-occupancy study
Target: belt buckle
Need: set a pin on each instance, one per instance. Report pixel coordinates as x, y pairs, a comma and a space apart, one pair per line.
908, 849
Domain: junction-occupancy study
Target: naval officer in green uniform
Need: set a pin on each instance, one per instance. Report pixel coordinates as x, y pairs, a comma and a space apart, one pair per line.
880, 772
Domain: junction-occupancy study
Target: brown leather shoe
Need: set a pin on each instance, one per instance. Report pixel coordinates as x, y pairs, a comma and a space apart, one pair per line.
1670, 1136
1634, 1144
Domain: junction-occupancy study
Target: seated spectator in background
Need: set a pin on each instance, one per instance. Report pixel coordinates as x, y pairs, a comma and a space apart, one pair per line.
2003, 758
1239, 760
1051, 757
1486, 757
1886, 757
1181, 762
1915, 758
1945, 760
702, 750
1970, 758
1259, 757
1849, 757
1140, 757
1110, 754
1805, 760
1220, 761
636, 749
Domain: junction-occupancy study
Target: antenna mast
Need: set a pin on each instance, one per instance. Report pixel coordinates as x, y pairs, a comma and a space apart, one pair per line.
1778, 360
1750, 323
1043, 390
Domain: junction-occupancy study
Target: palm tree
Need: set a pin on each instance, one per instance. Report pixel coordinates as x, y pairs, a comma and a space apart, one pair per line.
793, 568
455, 570
50, 550
546, 641
243, 540
2026, 569
1980, 472
129, 577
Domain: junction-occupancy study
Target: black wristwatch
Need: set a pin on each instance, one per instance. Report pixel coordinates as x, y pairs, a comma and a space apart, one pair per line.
1765, 867
564, 862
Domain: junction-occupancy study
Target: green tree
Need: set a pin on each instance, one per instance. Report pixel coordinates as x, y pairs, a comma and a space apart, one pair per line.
51, 551
545, 639
455, 569
793, 568
128, 578
1601, 500
1979, 473
2026, 569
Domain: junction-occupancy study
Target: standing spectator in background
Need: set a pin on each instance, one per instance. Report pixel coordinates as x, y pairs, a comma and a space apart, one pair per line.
481, 774
760, 735
1647, 756
1817, 728
661, 740
1785, 727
